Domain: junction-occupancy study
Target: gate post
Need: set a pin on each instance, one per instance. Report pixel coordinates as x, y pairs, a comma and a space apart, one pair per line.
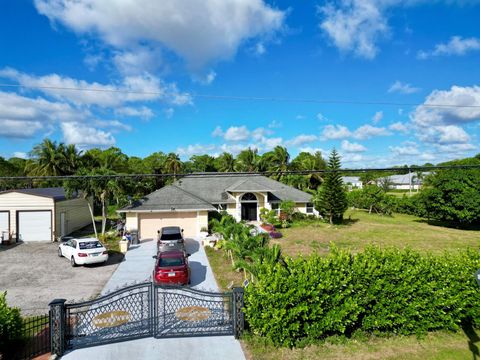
238, 316
57, 326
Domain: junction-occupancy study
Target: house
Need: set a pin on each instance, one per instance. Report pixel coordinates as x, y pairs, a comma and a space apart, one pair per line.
187, 202
352, 182
409, 181
42, 214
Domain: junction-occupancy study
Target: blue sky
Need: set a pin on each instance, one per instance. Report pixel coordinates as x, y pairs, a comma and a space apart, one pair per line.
162, 58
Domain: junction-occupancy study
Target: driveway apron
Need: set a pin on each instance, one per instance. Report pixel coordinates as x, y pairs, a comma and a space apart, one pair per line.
137, 267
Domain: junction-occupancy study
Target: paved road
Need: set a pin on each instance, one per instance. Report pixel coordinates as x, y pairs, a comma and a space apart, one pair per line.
138, 266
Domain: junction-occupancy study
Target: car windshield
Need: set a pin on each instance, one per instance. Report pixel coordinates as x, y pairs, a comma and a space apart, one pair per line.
170, 261
175, 236
90, 245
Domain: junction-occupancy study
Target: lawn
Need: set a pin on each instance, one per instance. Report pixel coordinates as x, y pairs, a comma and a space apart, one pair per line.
361, 229
435, 346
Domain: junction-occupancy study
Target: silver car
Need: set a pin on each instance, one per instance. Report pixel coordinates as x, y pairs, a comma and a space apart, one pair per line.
170, 238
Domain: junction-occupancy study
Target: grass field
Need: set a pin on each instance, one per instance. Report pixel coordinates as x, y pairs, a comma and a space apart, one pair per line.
361, 229
435, 346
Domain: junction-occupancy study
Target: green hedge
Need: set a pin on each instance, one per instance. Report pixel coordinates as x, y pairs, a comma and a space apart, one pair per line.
377, 291
10, 326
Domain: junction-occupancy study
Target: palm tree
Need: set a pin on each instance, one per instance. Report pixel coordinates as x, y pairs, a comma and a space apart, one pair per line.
47, 160
173, 164
247, 161
225, 162
278, 160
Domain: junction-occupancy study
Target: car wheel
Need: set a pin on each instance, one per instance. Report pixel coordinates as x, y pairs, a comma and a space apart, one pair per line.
72, 262
60, 252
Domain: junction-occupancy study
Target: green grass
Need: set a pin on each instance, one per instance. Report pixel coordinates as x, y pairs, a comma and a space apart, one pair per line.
435, 346
222, 269
361, 229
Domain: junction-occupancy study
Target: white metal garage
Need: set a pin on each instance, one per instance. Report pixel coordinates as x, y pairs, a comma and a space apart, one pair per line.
149, 223
34, 225
4, 225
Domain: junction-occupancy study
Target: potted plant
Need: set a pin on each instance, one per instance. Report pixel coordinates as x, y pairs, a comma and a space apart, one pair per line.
204, 232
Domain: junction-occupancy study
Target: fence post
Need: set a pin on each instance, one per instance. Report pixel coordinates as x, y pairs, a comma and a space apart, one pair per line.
238, 316
57, 326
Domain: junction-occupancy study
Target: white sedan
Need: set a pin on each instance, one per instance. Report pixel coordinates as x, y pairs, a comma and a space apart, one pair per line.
83, 251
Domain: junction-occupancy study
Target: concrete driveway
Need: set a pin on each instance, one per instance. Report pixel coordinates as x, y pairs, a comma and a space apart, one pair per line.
33, 275
138, 267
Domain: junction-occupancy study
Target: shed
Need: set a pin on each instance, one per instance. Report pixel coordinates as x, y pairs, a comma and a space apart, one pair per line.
42, 214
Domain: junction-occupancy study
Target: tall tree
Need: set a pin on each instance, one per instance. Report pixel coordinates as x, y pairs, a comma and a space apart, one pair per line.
225, 162
278, 160
173, 165
50, 159
331, 199
247, 160
203, 163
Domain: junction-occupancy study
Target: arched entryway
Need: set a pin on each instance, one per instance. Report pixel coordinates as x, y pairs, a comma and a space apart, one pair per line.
249, 207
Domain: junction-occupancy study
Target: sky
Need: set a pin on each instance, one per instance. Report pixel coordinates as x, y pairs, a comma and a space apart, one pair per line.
196, 77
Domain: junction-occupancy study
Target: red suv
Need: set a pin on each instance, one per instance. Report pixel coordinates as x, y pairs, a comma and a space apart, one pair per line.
172, 268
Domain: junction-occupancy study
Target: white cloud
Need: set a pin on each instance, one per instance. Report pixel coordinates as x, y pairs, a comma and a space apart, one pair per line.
332, 132
349, 147
321, 117
19, 129
137, 62
260, 133
352, 158
270, 143
20, 154
354, 25
236, 148
275, 124
301, 140
197, 149
112, 125
145, 87
457, 96
402, 88
368, 131
218, 132
85, 136
237, 133
377, 117
399, 126
260, 48
313, 150
408, 150
141, 112
456, 46
200, 32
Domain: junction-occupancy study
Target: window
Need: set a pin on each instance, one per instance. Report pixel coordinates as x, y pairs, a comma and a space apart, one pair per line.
170, 261
89, 245
249, 197
276, 207
309, 208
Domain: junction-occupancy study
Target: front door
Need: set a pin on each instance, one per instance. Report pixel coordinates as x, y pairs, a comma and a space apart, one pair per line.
249, 211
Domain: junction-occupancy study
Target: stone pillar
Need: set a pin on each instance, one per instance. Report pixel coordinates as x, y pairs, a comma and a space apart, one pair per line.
57, 326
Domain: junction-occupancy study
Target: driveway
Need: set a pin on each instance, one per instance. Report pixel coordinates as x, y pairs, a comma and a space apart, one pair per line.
138, 268
33, 275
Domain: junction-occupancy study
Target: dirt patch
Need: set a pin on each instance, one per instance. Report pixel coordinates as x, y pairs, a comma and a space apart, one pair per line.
33, 275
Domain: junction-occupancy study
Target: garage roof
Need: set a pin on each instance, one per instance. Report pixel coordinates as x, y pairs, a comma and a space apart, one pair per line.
169, 198
56, 193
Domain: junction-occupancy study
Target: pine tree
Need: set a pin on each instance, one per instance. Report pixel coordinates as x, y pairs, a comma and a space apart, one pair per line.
331, 198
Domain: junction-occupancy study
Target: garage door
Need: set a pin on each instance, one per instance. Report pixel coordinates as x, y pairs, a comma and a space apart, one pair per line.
4, 226
150, 223
35, 225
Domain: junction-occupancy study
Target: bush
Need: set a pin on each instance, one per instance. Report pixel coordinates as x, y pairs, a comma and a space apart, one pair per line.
376, 291
10, 326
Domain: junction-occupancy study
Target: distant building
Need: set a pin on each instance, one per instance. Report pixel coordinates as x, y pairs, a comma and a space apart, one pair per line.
410, 181
352, 182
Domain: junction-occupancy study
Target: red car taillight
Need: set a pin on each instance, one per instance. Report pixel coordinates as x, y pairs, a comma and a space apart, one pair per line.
82, 255
105, 252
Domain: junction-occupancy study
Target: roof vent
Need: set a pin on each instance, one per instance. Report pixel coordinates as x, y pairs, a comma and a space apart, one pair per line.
224, 196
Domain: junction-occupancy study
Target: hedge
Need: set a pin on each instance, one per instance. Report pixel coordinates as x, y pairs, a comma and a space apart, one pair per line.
10, 326
376, 291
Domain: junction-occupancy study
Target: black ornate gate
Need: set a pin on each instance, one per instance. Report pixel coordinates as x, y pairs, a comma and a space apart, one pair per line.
145, 310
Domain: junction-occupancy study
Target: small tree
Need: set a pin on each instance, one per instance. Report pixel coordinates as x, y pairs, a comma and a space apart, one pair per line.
331, 199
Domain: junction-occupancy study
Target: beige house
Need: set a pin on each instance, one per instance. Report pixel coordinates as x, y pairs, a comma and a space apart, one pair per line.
187, 202
42, 214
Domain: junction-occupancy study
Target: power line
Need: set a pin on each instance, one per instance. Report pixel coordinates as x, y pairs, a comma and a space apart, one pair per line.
234, 174
242, 98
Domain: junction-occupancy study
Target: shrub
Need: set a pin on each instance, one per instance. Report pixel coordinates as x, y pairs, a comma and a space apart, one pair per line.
10, 326
376, 291
268, 216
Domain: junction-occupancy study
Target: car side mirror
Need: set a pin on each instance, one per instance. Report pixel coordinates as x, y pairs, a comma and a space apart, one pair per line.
154, 257
188, 255
182, 230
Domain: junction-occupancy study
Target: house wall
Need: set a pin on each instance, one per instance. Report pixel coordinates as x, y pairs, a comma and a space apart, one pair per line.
77, 215
131, 221
232, 210
405, 187
15, 201
202, 220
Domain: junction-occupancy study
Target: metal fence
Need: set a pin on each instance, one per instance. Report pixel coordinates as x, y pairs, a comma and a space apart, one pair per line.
36, 337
